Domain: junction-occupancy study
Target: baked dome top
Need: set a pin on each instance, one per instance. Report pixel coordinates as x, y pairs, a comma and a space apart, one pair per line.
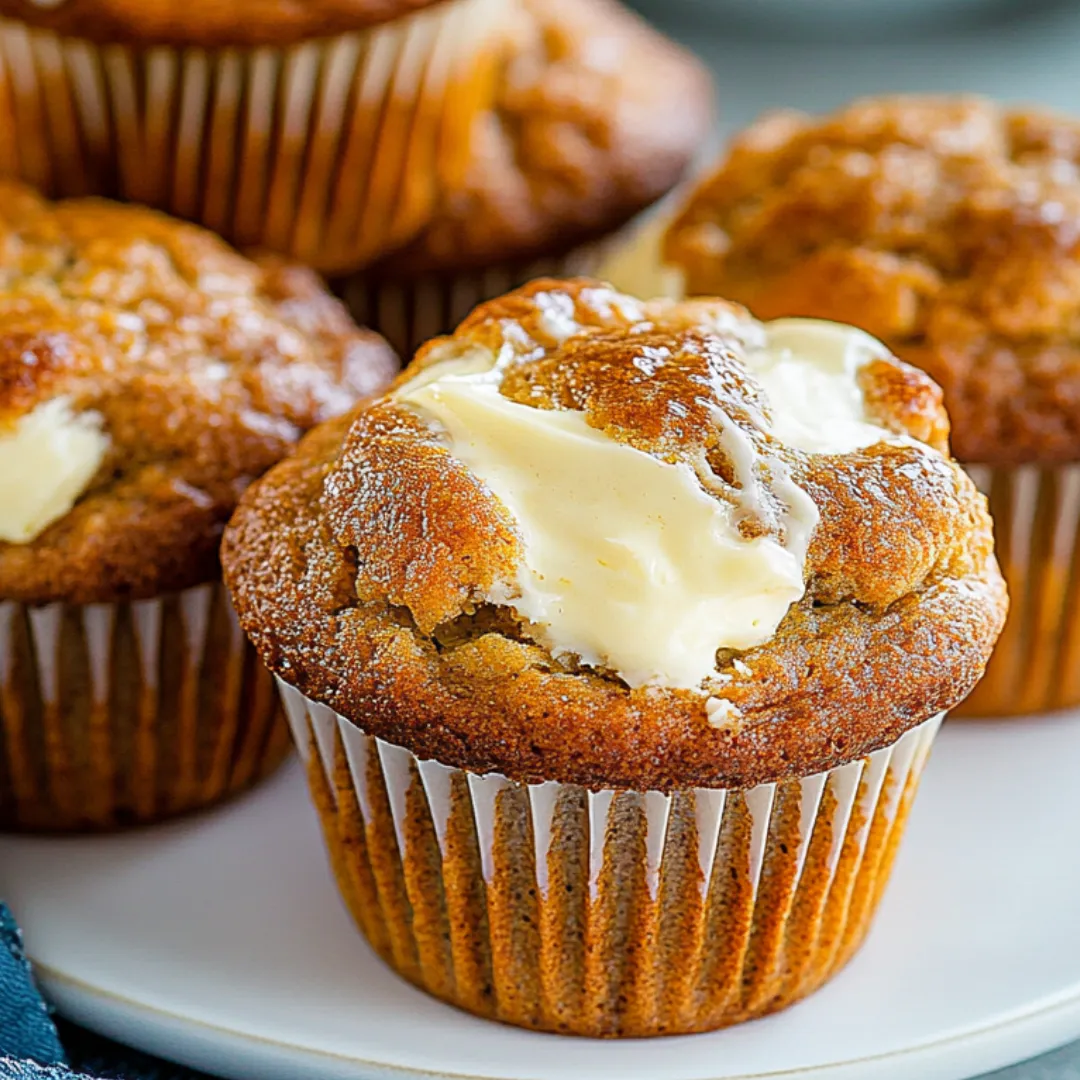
947, 227
594, 115
207, 22
378, 572
148, 373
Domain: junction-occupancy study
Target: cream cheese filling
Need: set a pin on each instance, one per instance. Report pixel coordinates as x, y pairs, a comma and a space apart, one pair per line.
628, 562
47, 458
809, 371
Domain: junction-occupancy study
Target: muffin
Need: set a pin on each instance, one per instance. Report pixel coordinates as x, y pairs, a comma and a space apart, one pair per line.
593, 117
460, 140
148, 374
947, 228
322, 130
613, 667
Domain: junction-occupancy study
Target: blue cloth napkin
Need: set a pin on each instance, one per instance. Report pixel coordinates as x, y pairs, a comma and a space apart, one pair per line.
26, 1029
30, 1044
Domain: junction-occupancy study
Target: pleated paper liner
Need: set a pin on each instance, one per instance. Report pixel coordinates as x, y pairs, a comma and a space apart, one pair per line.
605, 913
122, 714
331, 151
1036, 664
408, 312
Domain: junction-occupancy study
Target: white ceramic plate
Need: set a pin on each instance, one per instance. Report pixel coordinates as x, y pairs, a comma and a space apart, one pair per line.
220, 942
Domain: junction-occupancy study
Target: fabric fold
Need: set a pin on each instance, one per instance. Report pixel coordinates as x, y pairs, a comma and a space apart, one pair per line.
26, 1027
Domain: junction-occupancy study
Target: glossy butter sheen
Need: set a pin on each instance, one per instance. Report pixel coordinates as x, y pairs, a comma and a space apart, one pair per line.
47, 458
629, 563
627, 557
809, 371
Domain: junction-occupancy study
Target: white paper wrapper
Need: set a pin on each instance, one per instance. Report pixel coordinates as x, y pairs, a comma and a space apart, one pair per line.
331, 151
1036, 664
605, 913
122, 714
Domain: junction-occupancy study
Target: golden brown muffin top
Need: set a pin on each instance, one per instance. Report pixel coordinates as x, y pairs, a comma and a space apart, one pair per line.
947, 227
363, 567
207, 22
203, 367
594, 116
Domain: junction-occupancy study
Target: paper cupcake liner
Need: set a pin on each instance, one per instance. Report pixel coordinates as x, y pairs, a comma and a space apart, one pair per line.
122, 714
409, 312
605, 913
330, 151
1036, 664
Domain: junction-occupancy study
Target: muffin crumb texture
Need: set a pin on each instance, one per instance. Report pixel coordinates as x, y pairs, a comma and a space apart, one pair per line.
593, 115
946, 227
368, 568
157, 373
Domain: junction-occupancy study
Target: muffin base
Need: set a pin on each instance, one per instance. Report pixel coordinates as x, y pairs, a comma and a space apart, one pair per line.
1036, 665
114, 715
605, 913
331, 151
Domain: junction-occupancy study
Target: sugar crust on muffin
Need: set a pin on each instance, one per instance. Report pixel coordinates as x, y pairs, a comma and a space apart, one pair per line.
182, 370
362, 567
947, 227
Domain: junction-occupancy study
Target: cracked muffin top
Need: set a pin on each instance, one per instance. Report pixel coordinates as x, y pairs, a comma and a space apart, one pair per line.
947, 227
148, 373
616, 543
593, 117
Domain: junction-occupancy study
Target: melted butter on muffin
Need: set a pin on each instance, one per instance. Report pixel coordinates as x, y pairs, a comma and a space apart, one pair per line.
809, 372
946, 226
369, 567
47, 458
202, 368
629, 563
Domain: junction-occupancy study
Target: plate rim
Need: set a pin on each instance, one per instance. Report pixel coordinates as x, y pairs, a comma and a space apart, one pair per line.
114, 1005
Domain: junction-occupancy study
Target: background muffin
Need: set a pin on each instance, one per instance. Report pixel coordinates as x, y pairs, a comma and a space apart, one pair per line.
325, 131
147, 375
436, 150
593, 117
946, 227
615, 799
